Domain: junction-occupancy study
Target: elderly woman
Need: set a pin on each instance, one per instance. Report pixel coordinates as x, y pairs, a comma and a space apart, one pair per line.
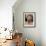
29, 19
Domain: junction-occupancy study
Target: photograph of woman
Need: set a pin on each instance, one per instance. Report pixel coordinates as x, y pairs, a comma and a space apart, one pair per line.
29, 19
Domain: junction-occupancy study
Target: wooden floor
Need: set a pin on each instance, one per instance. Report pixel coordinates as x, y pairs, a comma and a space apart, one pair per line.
9, 43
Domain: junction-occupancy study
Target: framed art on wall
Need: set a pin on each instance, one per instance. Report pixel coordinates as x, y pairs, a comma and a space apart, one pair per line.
29, 19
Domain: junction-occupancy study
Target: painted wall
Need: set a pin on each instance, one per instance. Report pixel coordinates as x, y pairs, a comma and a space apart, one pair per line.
43, 22
29, 33
6, 13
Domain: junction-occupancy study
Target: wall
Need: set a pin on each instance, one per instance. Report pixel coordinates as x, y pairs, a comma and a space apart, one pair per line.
6, 13
29, 33
43, 22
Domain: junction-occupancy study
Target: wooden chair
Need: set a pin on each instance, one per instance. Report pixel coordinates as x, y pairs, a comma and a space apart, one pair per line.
18, 39
29, 43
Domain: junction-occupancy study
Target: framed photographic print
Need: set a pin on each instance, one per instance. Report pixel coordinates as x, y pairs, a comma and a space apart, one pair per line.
29, 19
